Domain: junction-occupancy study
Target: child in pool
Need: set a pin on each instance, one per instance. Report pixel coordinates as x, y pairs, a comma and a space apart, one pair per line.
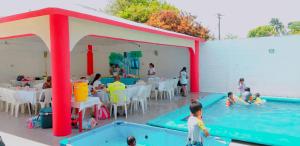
257, 99
230, 99
196, 125
247, 96
131, 141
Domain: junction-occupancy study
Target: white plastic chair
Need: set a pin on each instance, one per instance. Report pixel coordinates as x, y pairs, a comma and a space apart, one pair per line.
154, 86
19, 101
122, 102
13, 102
131, 92
175, 87
147, 95
9, 97
139, 98
169, 89
161, 89
45, 99
2, 100
165, 89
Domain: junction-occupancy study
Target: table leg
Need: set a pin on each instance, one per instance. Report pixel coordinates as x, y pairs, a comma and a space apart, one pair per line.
80, 121
96, 112
29, 109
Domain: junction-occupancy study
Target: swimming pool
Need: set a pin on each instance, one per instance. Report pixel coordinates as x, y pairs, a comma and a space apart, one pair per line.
115, 134
274, 123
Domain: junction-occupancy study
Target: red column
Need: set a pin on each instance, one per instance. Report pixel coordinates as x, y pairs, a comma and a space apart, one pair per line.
90, 60
60, 67
194, 67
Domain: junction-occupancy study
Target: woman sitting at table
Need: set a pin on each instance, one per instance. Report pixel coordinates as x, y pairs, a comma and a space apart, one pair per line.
96, 83
48, 83
99, 89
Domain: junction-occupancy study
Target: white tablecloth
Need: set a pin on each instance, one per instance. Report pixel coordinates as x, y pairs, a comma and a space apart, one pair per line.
21, 95
83, 105
30, 96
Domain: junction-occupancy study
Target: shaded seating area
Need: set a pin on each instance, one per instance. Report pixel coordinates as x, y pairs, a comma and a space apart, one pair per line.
62, 30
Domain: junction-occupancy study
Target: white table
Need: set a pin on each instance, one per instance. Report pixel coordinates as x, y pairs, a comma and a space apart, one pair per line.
81, 106
20, 96
28, 95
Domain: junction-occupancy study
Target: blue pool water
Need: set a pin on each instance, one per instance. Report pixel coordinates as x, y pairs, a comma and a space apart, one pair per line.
115, 134
274, 123
277, 122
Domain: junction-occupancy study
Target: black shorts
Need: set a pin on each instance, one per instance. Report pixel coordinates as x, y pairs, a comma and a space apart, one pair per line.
179, 84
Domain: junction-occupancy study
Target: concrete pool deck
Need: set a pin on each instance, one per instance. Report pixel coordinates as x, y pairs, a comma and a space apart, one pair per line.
17, 126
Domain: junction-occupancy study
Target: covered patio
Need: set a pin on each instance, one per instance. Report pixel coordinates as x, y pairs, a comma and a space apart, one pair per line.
65, 31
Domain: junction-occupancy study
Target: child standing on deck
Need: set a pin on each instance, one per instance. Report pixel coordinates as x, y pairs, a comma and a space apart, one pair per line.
242, 86
196, 125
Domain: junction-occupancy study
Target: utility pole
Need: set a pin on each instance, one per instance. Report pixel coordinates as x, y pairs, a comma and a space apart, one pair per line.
219, 15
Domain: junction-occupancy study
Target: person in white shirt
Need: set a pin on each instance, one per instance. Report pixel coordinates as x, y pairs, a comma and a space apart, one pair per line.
99, 89
242, 86
183, 78
96, 83
151, 71
196, 127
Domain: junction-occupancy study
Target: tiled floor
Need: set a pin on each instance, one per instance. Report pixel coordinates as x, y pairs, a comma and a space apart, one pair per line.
17, 126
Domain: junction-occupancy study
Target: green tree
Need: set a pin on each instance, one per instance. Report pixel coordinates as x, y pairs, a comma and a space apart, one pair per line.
278, 26
294, 27
262, 31
138, 10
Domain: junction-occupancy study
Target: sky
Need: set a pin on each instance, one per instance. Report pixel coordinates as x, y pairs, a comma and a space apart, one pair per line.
239, 15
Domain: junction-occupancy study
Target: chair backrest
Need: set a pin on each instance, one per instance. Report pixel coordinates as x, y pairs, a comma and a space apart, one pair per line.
147, 92
141, 91
120, 94
175, 82
170, 84
46, 95
153, 84
1, 93
131, 92
38, 86
162, 85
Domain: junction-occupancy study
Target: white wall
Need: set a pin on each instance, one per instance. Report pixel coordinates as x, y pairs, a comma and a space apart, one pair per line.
222, 63
21, 57
25, 56
168, 62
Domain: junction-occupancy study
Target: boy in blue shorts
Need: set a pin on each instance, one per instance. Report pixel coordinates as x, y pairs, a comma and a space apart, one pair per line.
196, 125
